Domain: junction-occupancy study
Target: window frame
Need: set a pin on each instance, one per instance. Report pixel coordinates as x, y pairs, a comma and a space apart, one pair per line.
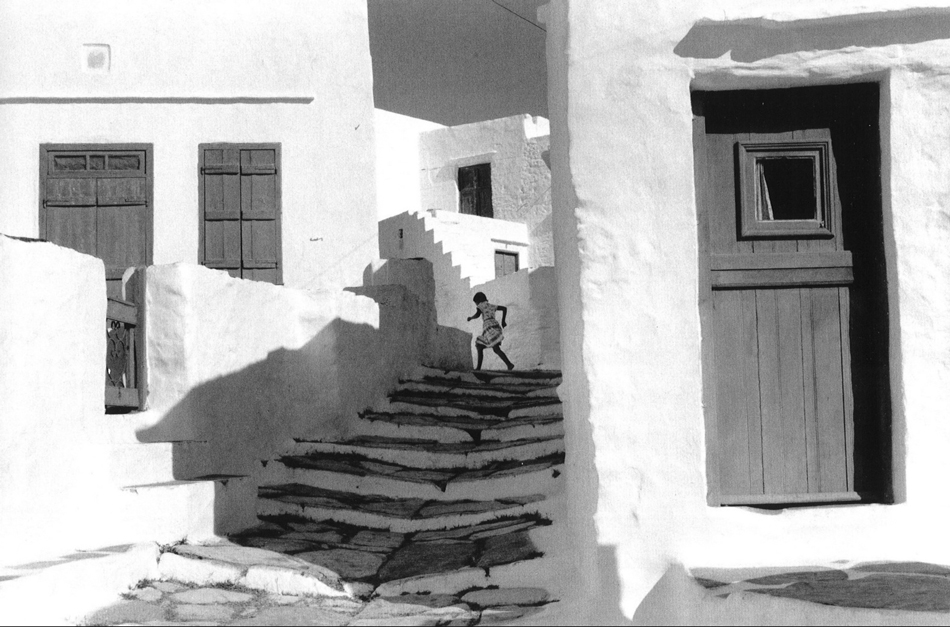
752, 226
507, 253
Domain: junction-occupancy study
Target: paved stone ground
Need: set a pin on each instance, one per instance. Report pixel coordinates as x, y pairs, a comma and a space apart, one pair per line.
169, 603
913, 586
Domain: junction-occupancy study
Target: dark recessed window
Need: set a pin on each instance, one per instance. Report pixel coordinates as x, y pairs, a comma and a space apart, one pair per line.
475, 190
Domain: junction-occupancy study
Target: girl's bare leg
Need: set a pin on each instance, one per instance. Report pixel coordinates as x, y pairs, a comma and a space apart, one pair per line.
501, 354
481, 355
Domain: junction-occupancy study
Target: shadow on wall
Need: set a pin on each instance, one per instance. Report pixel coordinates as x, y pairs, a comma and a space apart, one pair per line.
252, 414
756, 39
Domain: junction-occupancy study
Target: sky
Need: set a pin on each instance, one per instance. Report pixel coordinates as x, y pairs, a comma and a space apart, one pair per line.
458, 61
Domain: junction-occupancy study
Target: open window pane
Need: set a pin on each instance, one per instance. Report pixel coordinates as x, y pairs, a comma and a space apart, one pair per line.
787, 189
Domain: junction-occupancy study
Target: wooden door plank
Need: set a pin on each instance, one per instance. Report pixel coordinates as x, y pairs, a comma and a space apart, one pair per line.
121, 236
259, 241
749, 376
72, 227
844, 303
722, 195
831, 204
788, 305
733, 427
223, 242
773, 452
259, 196
829, 344
809, 383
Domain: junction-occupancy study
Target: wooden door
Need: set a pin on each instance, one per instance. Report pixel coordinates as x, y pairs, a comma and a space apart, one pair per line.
776, 305
97, 199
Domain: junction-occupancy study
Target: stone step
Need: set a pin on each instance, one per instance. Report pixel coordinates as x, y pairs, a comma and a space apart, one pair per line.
360, 475
197, 509
392, 562
458, 428
473, 408
548, 378
458, 390
399, 515
430, 454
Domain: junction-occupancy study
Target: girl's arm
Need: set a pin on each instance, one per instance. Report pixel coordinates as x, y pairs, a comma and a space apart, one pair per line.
475, 315
504, 314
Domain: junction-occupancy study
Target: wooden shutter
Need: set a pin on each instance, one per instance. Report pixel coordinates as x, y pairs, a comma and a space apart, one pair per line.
505, 263
241, 211
222, 210
259, 224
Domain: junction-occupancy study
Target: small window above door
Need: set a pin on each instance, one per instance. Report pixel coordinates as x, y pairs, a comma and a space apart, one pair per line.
784, 189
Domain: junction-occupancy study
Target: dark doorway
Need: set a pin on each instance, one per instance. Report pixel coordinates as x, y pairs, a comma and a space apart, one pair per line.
475, 190
794, 298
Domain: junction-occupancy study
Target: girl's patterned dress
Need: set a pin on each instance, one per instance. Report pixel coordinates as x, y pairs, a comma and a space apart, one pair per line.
491, 330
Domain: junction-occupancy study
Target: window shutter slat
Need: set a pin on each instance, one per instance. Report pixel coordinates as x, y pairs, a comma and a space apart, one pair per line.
121, 191
64, 192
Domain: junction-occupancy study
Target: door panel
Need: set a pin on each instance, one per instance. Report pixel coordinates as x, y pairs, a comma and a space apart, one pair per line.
72, 227
777, 317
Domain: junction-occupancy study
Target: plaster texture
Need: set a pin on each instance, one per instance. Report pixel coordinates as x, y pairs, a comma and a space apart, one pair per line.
245, 366
626, 239
397, 162
61, 453
297, 73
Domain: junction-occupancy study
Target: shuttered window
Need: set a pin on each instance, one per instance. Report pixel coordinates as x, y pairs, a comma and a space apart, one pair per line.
505, 263
240, 210
97, 199
474, 183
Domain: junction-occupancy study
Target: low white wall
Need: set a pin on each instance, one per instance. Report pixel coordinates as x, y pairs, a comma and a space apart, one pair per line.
245, 365
183, 73
63, 461
628, 236
397, 162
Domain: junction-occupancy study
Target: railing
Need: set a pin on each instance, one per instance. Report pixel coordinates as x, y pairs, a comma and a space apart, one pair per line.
122, 358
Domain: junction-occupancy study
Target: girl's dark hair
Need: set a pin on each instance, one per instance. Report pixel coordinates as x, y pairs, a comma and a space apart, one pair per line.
479, 297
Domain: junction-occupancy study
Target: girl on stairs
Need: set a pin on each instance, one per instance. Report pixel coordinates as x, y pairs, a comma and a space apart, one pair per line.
491, 336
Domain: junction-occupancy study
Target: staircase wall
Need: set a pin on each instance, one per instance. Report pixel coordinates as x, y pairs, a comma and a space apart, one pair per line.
245, 365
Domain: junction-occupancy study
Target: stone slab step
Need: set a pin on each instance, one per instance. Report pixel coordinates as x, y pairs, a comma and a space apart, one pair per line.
452, 391
393, 562
493, 377
431, 454
392, 514
356, 474
458, 428
196, 509
475, 408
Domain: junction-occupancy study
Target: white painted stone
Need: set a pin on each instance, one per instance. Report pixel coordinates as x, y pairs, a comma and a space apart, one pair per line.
203, 612
148, 594
442, 583
286, 581
207, 596
198, 572
506, 596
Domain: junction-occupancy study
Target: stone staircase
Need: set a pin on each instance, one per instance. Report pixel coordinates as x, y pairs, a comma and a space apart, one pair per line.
449, 486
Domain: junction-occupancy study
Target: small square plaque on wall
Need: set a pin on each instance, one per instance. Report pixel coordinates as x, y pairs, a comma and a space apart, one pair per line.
96, 58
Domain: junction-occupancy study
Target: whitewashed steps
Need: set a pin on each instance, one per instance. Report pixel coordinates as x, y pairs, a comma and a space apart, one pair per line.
458, 428
399, 515
431, 454
488, 479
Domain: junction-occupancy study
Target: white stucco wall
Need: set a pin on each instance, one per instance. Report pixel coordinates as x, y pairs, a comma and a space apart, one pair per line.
182, 73
397, 162
626, 240
246, 365
521, 180
64, 464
